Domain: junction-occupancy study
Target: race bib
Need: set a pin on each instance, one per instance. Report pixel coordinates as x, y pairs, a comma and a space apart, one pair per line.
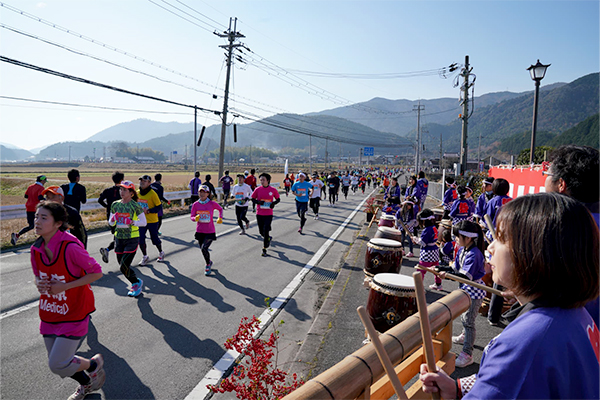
301, 192
267, 204
143, 203
203, 216
331, 185
121, 219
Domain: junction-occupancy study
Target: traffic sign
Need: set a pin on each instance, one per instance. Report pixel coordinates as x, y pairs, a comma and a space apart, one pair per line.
369, 151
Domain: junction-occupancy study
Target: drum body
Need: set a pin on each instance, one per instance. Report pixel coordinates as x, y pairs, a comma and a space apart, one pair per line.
438, 213
387, 220
385, 232
383, 255
392, 299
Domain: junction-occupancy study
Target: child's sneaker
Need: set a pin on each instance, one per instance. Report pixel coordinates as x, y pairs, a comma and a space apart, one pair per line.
410, 254
161, 256
463, 360
208, 268
136, 288
460, 339
144, 261
435, 286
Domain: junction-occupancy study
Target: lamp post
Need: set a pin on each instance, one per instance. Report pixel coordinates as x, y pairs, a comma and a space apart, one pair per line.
537, 71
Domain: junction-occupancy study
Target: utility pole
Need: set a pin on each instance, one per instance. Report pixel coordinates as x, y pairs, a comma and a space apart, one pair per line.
418, 109
195, 136
326, 141
441, 154
310, 154
231, 37
465, 72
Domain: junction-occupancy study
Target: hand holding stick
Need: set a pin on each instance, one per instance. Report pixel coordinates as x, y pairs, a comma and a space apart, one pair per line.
463, 280
373, 219
490, 225
425, 328
383, 356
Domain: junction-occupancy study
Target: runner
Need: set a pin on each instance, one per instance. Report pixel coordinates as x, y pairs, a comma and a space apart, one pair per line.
107, 197
362, 183
202, 214
287, 184
63, 272
33, 194
193, 186
333, 184
266, 197
345, 184
127, 216
76, 227
226, 182
354, 182
160, 191
211, 187
301, 190
148, 199
75, 194
251, 181
242, 194
315, 195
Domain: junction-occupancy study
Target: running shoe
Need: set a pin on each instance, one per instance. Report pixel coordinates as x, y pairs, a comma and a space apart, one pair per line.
98, 376
13, 238
435, 286
300, 231
81, 392
136, 288
248, 225
243, 232
144, 261
161, 256
208, 268
104, 252
410, 254
264, 253
463, 360
460, 339
159, 233
317, 216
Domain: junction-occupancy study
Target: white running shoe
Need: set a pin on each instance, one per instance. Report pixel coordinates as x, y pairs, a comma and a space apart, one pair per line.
98, 376
436, 286
144, 261
410, 254
463, 360
460, 339
161, 256
81, 392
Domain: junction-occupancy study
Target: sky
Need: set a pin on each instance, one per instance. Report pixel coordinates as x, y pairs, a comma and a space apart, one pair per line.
287, 40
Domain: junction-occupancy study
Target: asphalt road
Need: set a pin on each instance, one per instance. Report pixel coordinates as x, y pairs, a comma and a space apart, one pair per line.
162, 344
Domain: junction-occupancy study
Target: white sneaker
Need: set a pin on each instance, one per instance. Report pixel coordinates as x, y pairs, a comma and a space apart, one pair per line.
161, 256
463, 360
436, 286
144, 260
317, 216
460, 339
410, 254
81, 392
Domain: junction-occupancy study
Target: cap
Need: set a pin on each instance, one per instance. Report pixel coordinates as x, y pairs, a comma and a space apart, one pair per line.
127, 185
315, 175
145, 178
246, 172
54, 190
301, 174
41, 178
203, 188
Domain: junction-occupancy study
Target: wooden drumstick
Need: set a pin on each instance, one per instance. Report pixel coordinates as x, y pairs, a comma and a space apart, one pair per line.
425, 328
373, 219
403, 226
381, 353
463, 280
490, 225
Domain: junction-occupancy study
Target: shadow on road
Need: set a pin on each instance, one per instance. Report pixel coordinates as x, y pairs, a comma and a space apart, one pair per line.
121, 381
253, 297
179, 338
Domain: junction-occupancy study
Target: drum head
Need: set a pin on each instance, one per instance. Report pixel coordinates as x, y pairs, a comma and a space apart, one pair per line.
395, 281
388, 229
385, 242
388, 216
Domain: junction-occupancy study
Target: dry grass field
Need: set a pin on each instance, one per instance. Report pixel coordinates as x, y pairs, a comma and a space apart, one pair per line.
14, 180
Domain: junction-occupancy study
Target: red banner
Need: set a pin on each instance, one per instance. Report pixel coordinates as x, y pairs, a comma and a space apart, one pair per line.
523, 180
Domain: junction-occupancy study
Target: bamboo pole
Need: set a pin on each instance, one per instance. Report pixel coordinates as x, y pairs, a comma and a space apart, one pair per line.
463, 280
425, 328
373, 219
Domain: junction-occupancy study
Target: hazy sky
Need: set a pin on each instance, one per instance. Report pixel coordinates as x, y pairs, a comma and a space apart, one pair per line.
502, 39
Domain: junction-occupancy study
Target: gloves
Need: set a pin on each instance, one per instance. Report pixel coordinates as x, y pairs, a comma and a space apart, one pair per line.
197, 218
272, 205
261, 202
220, 220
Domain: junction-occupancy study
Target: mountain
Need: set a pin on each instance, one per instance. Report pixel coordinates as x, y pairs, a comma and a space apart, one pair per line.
585, 133
560, 108
13, 153
139, 130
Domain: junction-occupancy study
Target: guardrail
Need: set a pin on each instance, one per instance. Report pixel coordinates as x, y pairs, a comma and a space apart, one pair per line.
18, 210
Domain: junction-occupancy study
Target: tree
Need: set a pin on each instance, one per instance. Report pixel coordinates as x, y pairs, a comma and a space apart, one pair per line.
538, 157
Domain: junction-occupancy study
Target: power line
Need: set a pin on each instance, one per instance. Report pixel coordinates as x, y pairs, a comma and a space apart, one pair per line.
198, 12
174, 13
394, 75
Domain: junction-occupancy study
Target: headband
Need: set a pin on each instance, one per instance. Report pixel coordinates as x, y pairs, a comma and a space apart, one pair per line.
408, 202
430, 217
487, 182
468, 234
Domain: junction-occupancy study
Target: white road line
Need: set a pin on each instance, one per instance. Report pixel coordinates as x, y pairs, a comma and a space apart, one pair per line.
19, 310
200, 392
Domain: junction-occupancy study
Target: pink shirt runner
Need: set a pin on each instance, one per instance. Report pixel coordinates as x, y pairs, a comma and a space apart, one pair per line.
268, 195
205, 223
79, 263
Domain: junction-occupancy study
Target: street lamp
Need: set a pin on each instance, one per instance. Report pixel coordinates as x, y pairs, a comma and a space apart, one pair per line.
537, 71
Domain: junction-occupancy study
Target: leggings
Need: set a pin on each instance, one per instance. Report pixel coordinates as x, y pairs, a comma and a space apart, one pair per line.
125, 250
204, 245
332, 196
314, 204
264, 227
30, 223
61, 355
345, 190
240, 213
152, 228
301, 208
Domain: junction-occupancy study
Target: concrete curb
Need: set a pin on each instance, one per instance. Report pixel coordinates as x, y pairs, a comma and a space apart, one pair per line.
307, 356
